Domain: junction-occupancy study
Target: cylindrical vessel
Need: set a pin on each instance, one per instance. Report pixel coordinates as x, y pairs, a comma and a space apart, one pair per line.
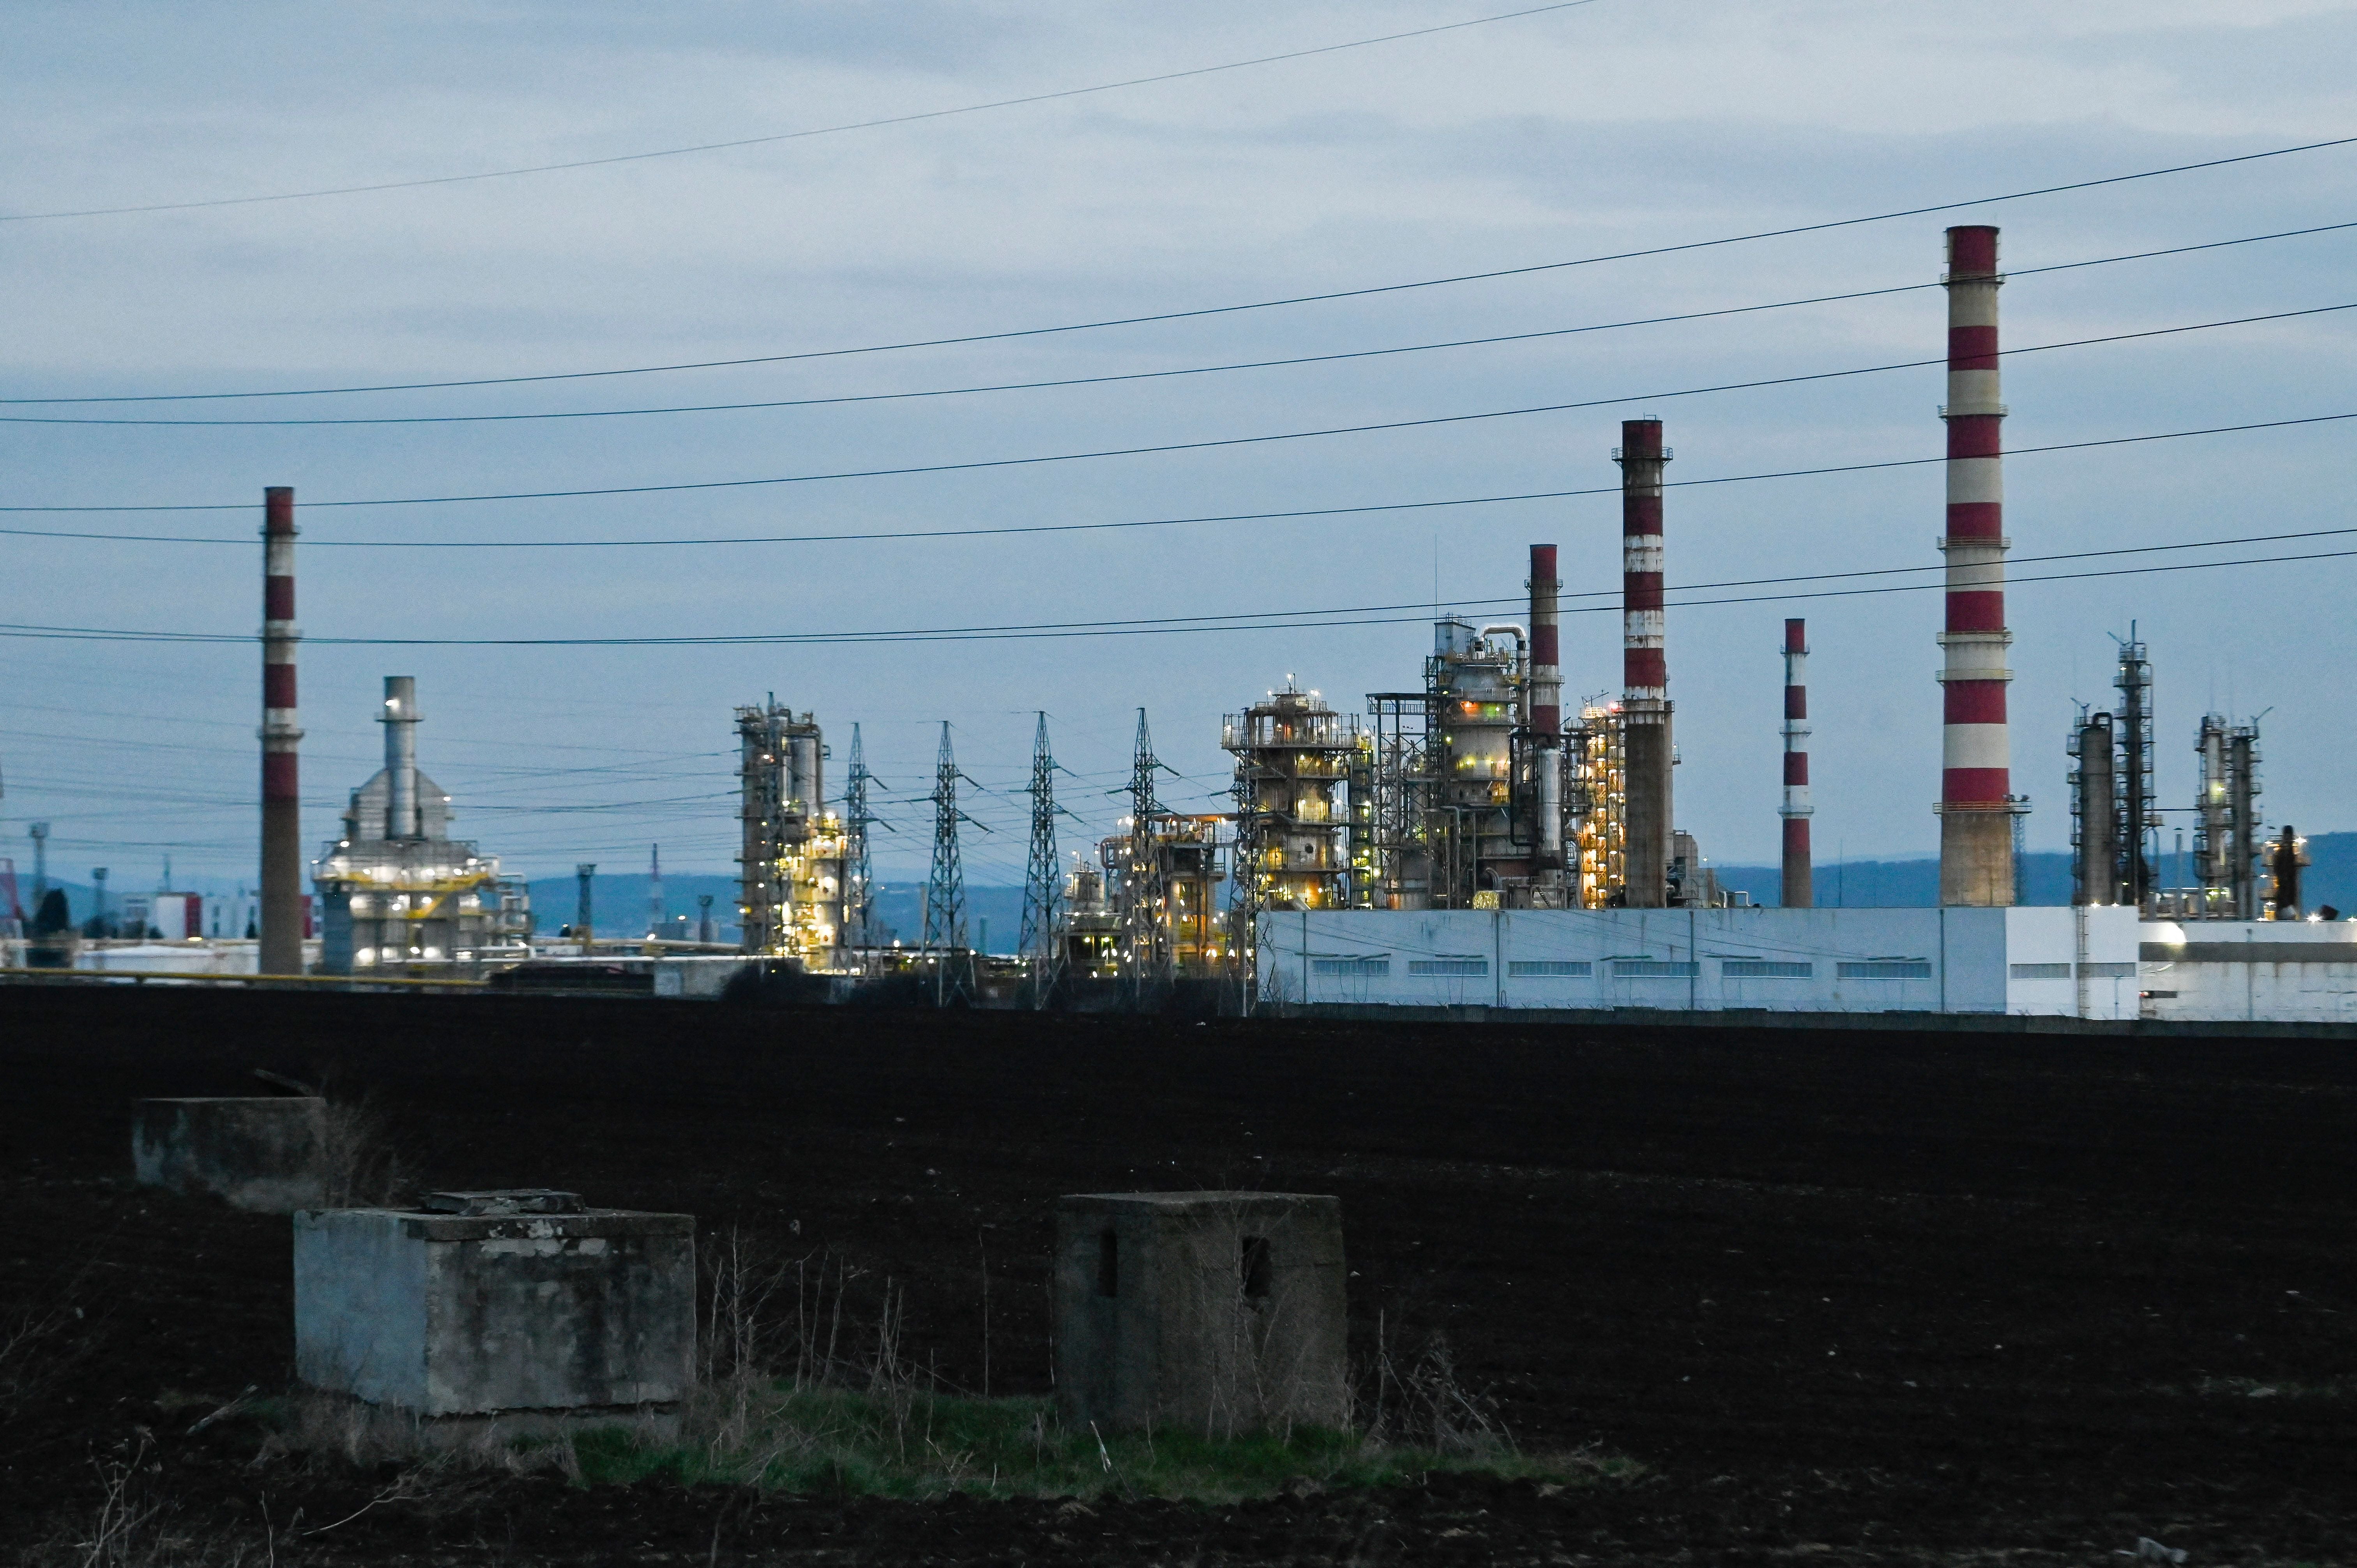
2099, 820
2243, 789
400, 720
806, 790
1645, 674
1546, 707
1799, 888
1975, 790
281, 738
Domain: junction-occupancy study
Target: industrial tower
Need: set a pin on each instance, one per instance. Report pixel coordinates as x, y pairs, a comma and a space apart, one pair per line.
1647, 746
1798, 891
281, 951
1976, 804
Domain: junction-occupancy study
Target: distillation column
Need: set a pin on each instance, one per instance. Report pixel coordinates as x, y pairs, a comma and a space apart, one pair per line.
400, 720
1799, 889
2095, 869
281, 738
1975, 791
1547, 708
1645, 674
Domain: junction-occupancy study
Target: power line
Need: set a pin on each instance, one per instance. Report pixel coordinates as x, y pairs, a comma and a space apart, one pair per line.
1172, 522
1237, 620
1221, 309
787, 135
1425, 422
839, 400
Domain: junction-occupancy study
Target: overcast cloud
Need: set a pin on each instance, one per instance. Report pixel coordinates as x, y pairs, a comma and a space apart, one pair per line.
1602, 128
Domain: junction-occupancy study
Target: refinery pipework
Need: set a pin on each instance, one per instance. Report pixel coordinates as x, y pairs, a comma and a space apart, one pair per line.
1975, 790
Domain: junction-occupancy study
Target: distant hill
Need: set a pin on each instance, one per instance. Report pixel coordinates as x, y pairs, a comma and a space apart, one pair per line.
1915, 884
618, 907
619, 900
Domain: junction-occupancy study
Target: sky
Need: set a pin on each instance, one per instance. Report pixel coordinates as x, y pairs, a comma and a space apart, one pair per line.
1575, 132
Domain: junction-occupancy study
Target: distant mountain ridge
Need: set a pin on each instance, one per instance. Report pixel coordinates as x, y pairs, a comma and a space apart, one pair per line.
2331, 878
618, 901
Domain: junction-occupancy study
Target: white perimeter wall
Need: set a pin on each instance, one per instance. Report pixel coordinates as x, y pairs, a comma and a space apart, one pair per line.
1797, 960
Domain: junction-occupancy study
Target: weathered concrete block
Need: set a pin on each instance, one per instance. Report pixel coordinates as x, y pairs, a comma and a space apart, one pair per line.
268, 1154
1218, 1312
506, 1307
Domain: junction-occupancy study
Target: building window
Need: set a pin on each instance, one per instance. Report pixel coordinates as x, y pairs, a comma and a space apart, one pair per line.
1356, 966
1764, 969
2108, 970
1886, 969
1108, 1263
1654, 968
2043, 970
1453, 964
1550, 969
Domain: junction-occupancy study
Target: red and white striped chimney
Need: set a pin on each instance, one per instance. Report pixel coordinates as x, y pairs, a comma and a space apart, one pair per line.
282, 801
1645, 667
1799, 889
1547, 706
1975, 791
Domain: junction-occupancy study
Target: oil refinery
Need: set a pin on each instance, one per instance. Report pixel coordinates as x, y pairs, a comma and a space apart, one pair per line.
1464, 841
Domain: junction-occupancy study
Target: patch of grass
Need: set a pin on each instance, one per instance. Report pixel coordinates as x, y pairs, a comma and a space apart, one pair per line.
840, 1442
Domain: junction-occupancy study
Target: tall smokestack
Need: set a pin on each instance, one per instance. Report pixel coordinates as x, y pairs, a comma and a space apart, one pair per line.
1975, 790
1547, 706
281, 738
400, 720
1800, 892
1645, 673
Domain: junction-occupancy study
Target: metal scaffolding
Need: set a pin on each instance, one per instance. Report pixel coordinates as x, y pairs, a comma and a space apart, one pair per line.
1598, 797
790, 868
1295, 759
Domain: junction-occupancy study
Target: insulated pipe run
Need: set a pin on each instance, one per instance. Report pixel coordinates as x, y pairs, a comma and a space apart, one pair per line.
1799, 889
1975, 790
400, 720
282, 803
1645, 674
1547, 705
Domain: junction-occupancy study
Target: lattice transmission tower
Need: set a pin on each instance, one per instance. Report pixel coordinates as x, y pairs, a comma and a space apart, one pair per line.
859, 879
945, 889
1142, 884
1042, 882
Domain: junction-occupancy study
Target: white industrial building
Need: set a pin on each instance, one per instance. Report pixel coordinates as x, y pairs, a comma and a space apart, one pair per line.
2080, 962
2250, 971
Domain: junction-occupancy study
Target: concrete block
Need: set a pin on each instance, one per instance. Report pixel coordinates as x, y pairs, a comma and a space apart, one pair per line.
266, 1154
1218, 1312
496, 1307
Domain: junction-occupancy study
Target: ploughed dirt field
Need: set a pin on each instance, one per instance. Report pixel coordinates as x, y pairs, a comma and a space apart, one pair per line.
1846, 1298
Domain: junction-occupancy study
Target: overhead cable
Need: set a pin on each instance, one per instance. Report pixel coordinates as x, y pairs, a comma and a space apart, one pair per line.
1052, 384
791, 136
1236, 621
1163, 449
1199, 312
1157, 522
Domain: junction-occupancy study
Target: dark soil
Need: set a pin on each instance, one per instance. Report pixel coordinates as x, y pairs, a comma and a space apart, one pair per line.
1850, 1297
